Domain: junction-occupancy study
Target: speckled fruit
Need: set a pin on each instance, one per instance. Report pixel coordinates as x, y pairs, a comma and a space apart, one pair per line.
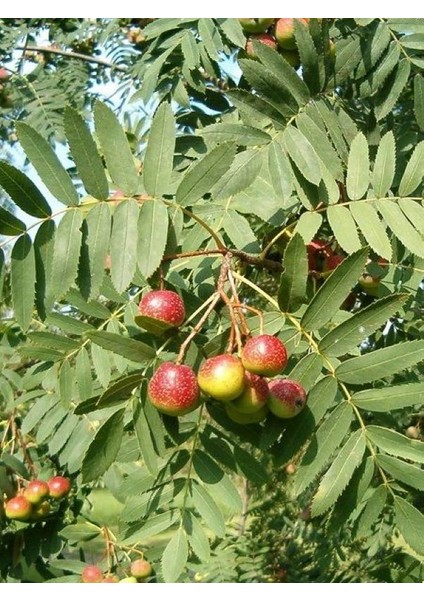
243, 418
254, 395
164, 308
264, 355
222, 377
141, 568
59, 487
284, 32
263, 38
287, 398
37, 491
18, 508
173, 389
92, 574
256, 25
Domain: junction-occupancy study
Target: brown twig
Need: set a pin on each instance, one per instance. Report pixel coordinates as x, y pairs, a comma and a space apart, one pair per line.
69, 54
266, 263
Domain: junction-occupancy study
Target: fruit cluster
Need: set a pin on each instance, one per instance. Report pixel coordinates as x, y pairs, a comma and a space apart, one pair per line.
278, 34
34, 502
241, 383
140, 570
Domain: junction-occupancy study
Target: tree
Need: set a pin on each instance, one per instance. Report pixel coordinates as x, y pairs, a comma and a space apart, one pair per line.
286, 201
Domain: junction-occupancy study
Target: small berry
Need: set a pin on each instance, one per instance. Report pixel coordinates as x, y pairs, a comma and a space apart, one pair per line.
59, 487
36, 491
222, 377
173, 389
264, 355
18, 508
141, 568
287, 398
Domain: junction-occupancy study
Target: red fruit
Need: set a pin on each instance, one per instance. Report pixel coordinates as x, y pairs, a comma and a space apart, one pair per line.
36, 491
284, 32
333, 261
92, 574
18, 508
222, 377
256, 25
141, 568
263, 38
318, 251
4, 74
162, 309
287, 398
254, 395
59, 487
173, 389
264, 355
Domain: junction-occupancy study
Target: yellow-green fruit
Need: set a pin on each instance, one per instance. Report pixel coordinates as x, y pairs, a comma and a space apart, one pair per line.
254, 396
128, 580
222, 377
246, 418
369, 284
255, 25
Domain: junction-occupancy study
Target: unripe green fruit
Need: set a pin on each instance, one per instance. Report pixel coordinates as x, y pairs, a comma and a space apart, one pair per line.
128, 580
292, 57
254, 395
36, 491
246, 418
18, 508
40, 512
160, 310
264, 355
287, 398
173, 389
369, 284
256, 25
59, 487
222, 377
141, 568
92, 574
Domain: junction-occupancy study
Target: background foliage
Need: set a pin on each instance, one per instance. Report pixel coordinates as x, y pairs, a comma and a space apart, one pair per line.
155, 150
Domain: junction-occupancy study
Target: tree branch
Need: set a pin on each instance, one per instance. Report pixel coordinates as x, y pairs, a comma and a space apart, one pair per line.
69, 54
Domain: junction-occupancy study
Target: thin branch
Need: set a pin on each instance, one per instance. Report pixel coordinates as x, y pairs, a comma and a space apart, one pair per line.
69, 54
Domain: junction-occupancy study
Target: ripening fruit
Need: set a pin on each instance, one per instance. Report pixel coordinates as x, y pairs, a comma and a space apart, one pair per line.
222, 377
128, 580
263, 38
369, 284
37, 491
59, 487
412, 432
264, 355
18, 508
162, 310
284, 32
254, 395
173, 389
141, 568
287, 398
40, 512
92, 574
110, 579
256, 25
243, 418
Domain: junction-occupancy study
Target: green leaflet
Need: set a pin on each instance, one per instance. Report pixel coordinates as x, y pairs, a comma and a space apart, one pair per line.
98, 223
413, 174
66, 254
48, 166
373, 507
9, 224
23, 280
123, 244
339, 474
390, 398
104, 448
302, 154
393, 89
280, 170
381, 363
402, 471
372, 228
396, 444
240, 175
323, 444
124, 346
330, 296
419, 100
384, 165
292, 288
205, 173
116, 149
344, 228
358, 168
208, 509
175, 556
143, 434
410, 237
85, 154
23, 191
152, 236
410, 522
345, 337
307, 225
239, 231
242, 135
159, 157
